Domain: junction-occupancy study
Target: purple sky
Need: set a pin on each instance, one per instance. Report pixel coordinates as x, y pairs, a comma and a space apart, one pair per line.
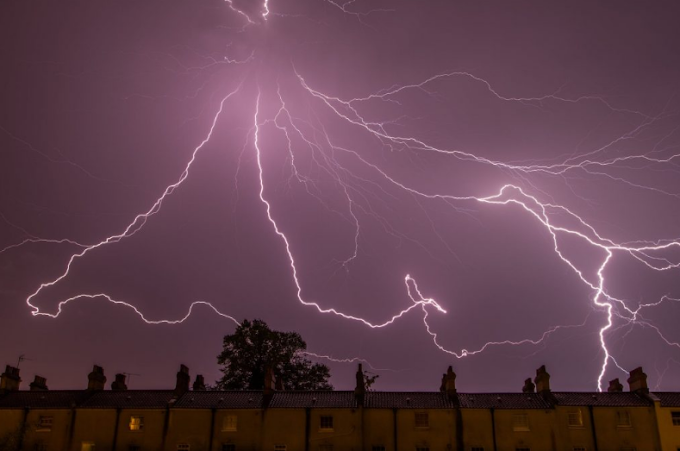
574, 106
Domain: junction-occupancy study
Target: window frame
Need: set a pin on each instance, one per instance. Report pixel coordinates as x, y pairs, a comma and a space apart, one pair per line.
620, 416
45, 423
418, 418
675, 417
520, 422
326, 423
575, 415
229, 423
136, 423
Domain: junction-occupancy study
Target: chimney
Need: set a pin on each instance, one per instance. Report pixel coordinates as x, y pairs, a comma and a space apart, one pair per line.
542, 380
119, 383
96, 379
39, 384
360, 389
199, 383
183, 379
638, 381
615, 386
10, 380
268, 381
529, 386
449, 382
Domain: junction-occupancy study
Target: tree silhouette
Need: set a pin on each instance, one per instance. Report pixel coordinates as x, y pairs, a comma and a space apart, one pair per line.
254, 347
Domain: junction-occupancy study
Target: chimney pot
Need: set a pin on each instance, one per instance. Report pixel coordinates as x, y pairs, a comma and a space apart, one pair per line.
268, 381
199, 383
450, 382
529, 386
10, 380
360, 388
542, 380
39, 383
615, 386
638, 381
119, 383
183, 380
96, 379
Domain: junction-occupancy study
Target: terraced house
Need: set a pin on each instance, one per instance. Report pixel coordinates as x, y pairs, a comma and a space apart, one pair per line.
183, 419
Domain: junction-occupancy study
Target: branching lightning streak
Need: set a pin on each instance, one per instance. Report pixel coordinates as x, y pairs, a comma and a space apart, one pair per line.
135, 226
548, 213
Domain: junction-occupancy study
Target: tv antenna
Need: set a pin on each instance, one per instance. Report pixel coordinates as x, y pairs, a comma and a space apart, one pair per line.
21, 358
129, 376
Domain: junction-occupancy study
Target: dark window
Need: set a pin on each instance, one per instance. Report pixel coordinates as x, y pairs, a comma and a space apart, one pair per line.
326, 423
378, 448
422, 420
623, 419
675, 416
228, 447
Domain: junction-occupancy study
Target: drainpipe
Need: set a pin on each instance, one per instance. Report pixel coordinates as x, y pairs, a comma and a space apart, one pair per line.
493, 428
212, 429
166, 423
115, 430
22, 431
308, 421
396, 433
72, 427
592, 427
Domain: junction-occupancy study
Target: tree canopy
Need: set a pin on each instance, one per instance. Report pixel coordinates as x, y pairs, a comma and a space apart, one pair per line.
253, 347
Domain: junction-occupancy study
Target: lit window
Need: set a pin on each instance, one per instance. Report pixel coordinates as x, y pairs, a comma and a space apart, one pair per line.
326, 423
136, 423
623, 419
280, 447
228, 447
422, 420
87, 446
183, 447
44, 424
378, 448
675, 416
520, 422
230, 423
576, 419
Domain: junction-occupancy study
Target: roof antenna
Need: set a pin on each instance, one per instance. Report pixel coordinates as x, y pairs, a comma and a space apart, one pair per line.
22, 357
129, 376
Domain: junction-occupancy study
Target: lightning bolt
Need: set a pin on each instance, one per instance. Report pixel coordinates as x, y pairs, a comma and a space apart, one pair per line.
361, 191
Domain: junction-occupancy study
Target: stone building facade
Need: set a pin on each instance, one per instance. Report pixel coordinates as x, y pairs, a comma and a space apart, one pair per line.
191, 420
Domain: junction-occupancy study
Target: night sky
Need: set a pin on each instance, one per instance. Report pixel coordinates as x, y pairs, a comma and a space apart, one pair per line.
520, 161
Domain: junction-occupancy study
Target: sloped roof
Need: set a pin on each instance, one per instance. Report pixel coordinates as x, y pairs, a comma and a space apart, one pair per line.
133, 399
668, 399
320, 399
502, 401
600, 399
50, 399
220, 400
408, 400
